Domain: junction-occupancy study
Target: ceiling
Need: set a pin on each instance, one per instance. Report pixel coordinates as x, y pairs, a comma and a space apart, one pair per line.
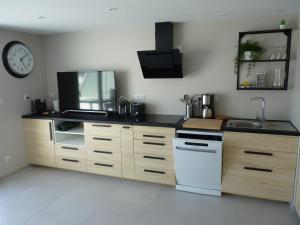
76, 15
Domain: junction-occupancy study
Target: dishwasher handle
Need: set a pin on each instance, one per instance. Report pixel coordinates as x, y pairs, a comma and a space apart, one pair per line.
196, 150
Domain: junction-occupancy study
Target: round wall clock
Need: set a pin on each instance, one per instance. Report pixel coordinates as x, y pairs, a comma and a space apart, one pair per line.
17, 59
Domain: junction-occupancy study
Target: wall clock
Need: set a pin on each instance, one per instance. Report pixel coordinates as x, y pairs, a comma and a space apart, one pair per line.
17, 59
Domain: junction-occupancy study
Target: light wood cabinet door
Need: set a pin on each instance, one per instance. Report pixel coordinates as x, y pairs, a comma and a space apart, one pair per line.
259, 165
260, 182
39, 142
268, 142
127, 151
102, 129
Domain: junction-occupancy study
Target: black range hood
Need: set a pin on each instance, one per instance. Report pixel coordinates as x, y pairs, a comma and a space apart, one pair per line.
164, 62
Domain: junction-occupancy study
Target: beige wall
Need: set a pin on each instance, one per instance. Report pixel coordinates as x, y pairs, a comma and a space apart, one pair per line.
295, 88
208, 52
12, 91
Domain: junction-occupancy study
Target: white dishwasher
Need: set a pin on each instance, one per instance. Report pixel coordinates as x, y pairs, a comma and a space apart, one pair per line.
198, 161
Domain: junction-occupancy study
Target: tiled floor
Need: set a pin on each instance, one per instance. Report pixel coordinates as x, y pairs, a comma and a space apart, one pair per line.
42, 196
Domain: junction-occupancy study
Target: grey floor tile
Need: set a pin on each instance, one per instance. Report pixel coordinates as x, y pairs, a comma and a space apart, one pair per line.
46, 196
116, 213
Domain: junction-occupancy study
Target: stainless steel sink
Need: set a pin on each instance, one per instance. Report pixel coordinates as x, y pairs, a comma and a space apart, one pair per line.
256, 124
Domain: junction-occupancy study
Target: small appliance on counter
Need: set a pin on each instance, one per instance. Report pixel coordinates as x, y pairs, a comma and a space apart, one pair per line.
137, 111
199, 106
208, 110
40, 105
123, 107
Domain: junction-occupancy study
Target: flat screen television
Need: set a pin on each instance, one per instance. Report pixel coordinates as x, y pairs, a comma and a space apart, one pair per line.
87, 91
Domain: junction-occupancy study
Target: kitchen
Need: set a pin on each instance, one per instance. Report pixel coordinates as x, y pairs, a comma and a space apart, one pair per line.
208, 50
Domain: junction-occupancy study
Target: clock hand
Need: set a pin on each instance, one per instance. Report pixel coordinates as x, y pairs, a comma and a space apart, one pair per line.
21, 59
23, 63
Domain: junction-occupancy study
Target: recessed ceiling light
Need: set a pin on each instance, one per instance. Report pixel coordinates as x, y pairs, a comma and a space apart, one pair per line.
223, 14
113, 9
42, 17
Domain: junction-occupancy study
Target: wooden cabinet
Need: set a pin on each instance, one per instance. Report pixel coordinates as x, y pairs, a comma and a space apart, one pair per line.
259, 165
39, 142
153, 154
133, 152
297, 197
103, 142
127, 151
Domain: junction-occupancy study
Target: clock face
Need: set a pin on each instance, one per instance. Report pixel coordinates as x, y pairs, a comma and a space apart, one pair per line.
17, 59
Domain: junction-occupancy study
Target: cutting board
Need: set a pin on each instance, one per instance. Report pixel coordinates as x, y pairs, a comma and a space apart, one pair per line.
208, 124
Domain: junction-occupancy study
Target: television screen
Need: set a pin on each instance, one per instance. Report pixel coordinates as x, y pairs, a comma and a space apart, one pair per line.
87, 91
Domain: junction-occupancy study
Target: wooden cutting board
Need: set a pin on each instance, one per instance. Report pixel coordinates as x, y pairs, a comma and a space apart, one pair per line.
208, 124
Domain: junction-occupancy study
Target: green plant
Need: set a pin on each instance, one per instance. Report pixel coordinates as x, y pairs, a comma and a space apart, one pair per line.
282, 22
252, 46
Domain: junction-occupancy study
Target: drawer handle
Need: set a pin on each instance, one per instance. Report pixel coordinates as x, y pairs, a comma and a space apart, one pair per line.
258, 169
102, 139
153, 143
102, 164
153, 157
258, 153
50, 131
153, 136
196, 144
126, 127
70, 148
154, 171
103, 152
101, 125
71, 160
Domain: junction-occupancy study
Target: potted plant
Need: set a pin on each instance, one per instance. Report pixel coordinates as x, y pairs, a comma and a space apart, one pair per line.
249, 50
282, 24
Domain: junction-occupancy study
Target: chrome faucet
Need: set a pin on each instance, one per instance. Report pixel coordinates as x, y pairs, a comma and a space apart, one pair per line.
263, 101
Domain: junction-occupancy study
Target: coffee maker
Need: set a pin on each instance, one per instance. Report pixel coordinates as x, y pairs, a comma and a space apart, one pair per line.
207, 109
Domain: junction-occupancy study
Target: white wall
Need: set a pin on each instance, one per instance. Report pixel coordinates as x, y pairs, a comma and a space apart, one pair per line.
209, 48
295, 88
12, 91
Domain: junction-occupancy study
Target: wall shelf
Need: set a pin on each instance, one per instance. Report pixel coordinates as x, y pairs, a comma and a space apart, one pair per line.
266, 63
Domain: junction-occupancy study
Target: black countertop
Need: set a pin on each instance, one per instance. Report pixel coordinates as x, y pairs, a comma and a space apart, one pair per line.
173, 121
150, 120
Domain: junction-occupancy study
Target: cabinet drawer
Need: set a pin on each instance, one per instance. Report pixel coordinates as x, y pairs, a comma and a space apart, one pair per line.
127, 143
105, 167
255, 157
153, 147
260, 182
155, 175
154, 133
269, 142
96, 154
42, 159
71, 163
102, 129
103, 143
154, 161
70, 151
126, 130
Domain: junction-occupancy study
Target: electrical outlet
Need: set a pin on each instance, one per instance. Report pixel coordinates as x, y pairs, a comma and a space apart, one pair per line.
7, 158
26, 98
139, 97
1, 101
